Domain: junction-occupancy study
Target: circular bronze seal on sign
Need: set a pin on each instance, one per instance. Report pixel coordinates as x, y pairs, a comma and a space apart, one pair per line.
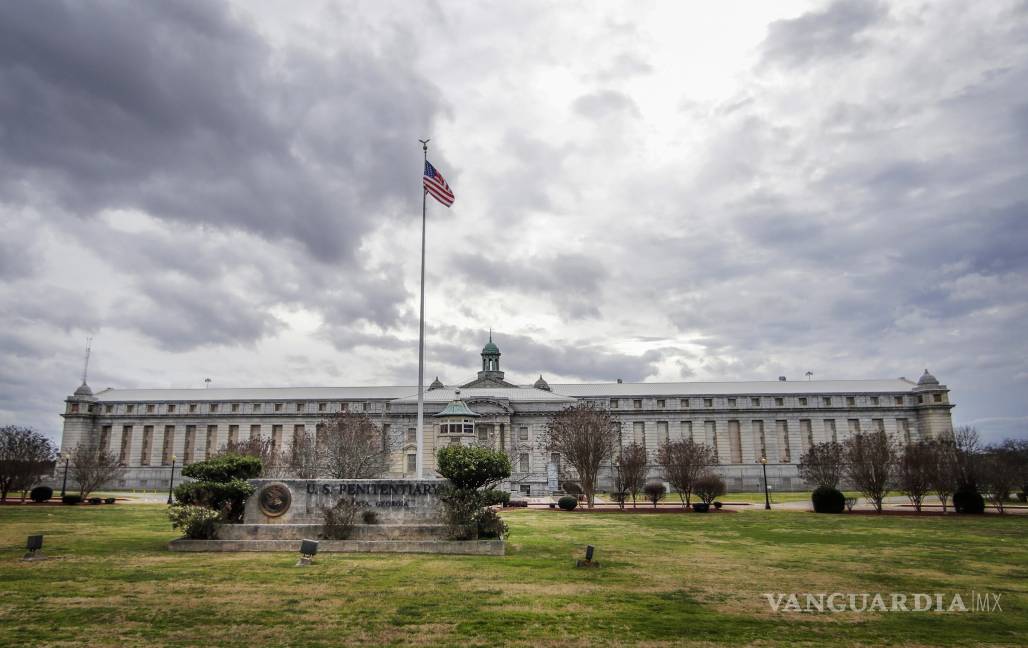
275, 499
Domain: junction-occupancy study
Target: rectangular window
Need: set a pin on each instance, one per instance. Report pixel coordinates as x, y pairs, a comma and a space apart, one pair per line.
278, 407
412, 463
731, 402
298, 432
523, 433
108, 409
192, 408
126, 444
130, 408
276, 438
662, 432
235, 407
686, 429
851, 401
233, 434
759, 438
782, 430
386, 431
525, 489
710, 436
685, 403
299, 407
735, 441
187, 449
344, 407
874, 400
320, 437
779, 402
169, 439
171, 408
899, 400
212, 441
903, 426
147, 447
660, 403
483, 433
523, 462
803, 402
755, 402
149, 409
637, 404
826, 401
213, 407
708, 402
255, 431
613, 403
806, 434
878, 425
256, 407
555, 459
412, 435
105, 438
321, 407
639, 433
830, 431
854, 426
937, 398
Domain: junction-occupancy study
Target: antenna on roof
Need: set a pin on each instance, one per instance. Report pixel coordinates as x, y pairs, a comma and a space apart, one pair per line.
206, 383
809, 375
85, 366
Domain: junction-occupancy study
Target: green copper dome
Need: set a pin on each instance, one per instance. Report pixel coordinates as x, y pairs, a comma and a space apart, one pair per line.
490, 348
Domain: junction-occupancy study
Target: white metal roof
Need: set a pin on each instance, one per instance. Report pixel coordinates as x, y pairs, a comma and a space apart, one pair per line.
526, 393
743, 388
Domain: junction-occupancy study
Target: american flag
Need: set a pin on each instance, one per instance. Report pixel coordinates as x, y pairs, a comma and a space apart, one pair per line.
436, 185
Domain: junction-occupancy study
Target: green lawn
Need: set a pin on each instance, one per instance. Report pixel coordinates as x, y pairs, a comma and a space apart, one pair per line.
665, 579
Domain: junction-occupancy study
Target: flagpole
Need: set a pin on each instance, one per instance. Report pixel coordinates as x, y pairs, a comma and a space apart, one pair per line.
421, 333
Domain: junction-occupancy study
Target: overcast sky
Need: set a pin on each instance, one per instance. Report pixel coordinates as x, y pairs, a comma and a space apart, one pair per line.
647, 191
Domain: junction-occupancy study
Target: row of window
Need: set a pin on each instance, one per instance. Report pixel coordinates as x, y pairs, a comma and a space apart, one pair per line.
235, 408
756, 401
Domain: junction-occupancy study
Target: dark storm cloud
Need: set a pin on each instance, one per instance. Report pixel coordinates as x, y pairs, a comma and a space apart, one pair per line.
182, 110
573, 281
835, 31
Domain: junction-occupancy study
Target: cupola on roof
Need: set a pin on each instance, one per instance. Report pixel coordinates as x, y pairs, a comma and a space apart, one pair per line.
927, 379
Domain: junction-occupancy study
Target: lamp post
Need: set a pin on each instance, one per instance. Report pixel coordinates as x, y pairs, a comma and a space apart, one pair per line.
171, 484
64, 484
767, 498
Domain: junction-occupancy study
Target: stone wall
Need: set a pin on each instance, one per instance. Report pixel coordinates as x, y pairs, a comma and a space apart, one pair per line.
302, 501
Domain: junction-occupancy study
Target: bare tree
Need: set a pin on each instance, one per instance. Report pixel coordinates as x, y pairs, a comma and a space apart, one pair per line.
632, 463
352, 447
968, 453
943, 470
1002, 472
273, 462
92, 467
709, 487
871, 464
684, 462
585, 436
302, 457
915, 470
25, 457
823, 465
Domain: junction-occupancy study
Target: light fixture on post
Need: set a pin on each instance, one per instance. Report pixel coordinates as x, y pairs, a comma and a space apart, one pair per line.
588, 562
64, 484
767, 498
308, 548
34, 545
171, 483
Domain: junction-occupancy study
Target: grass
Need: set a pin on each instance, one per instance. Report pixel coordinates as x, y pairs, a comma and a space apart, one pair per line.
665, 579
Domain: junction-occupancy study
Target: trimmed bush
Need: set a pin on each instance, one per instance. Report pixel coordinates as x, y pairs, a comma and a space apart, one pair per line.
226, 498
340, 519
95, 500
828, 500
196, 522
516, 504
572, 488
224, 468
700, 507
654, 492
718, 505
109, 500
708, 488
472, 467
71, 499
567, 503
494, 496
41, 494
969, 501
491, 525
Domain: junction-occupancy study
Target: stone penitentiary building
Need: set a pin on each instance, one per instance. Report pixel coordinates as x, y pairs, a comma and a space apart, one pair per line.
743, 421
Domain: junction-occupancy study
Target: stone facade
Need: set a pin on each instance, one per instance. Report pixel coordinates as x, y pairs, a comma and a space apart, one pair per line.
742, 420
